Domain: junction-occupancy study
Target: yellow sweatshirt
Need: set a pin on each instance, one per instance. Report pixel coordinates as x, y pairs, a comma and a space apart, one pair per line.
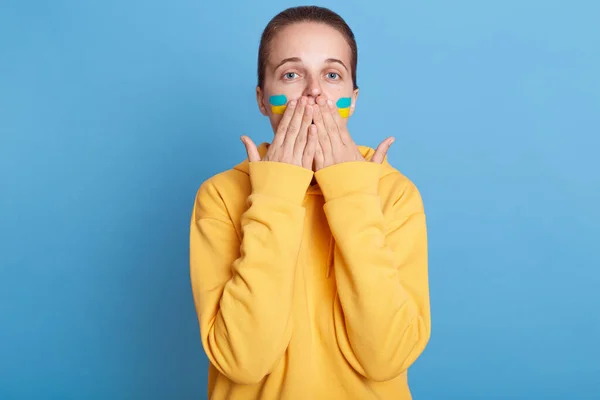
310, 292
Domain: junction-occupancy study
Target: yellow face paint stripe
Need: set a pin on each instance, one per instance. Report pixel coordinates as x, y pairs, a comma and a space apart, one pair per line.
278, 109
344, 112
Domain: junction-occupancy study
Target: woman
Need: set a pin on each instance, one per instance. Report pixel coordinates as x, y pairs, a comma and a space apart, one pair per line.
309, 260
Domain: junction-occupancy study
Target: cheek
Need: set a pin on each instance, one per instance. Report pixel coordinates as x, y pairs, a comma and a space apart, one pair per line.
275, 98
278, 103
274, 119
343, 105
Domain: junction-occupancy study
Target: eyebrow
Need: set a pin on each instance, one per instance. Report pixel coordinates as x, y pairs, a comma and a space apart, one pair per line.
335, 60
298, 59
287, 60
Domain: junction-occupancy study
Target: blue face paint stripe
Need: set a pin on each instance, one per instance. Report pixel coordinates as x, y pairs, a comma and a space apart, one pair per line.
344, 102
278, 100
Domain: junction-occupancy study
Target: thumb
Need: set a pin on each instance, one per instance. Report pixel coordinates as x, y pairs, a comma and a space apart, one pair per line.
251, 149
382, 150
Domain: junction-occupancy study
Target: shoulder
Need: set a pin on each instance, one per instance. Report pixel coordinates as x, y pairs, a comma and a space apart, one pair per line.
223, 195
228, 183
398, 192
395, 188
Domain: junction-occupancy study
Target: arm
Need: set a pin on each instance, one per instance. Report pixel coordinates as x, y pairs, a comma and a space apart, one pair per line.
382, 317
243, 288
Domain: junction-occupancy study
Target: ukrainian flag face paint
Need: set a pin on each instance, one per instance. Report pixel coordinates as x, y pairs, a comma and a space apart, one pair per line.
278, 103
343, 105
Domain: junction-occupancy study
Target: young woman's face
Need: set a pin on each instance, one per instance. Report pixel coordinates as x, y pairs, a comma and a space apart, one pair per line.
306, 59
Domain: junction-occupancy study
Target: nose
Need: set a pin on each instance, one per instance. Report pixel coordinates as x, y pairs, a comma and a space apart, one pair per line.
312, 90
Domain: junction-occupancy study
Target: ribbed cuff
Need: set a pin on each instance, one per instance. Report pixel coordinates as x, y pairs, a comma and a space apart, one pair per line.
277, 179
349, 178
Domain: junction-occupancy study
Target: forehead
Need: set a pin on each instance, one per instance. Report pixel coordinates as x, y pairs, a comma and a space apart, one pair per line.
310, 41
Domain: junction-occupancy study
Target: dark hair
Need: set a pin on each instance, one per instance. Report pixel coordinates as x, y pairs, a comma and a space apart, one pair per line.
304, 14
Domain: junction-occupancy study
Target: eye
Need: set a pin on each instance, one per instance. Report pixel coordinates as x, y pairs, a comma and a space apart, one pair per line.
333, 76
290, 75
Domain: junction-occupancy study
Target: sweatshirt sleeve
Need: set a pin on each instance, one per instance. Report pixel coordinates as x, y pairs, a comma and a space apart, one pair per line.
242, 287
382, 316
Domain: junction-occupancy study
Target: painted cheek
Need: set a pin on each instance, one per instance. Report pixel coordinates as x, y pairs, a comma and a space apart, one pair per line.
343, 105
278, 103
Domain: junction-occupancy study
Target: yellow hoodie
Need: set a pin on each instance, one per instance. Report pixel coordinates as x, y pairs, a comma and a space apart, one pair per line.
310, 293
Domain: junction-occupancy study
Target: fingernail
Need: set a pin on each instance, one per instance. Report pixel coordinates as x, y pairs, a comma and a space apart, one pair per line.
293, 103
330, 102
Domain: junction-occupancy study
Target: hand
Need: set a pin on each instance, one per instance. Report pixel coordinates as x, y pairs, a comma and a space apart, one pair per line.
293, 143
335, 144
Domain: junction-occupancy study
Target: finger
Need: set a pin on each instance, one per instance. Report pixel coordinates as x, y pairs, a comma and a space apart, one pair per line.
311, 147
330, 124
285, 122
303, 134
382, 150
295, 123
319, 156
251, 150
340, 123
322, 136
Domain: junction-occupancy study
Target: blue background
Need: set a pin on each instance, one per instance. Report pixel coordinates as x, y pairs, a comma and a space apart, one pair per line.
113, 112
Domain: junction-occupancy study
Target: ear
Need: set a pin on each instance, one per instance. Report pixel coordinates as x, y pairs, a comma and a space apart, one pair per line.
353, 105
260, 101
